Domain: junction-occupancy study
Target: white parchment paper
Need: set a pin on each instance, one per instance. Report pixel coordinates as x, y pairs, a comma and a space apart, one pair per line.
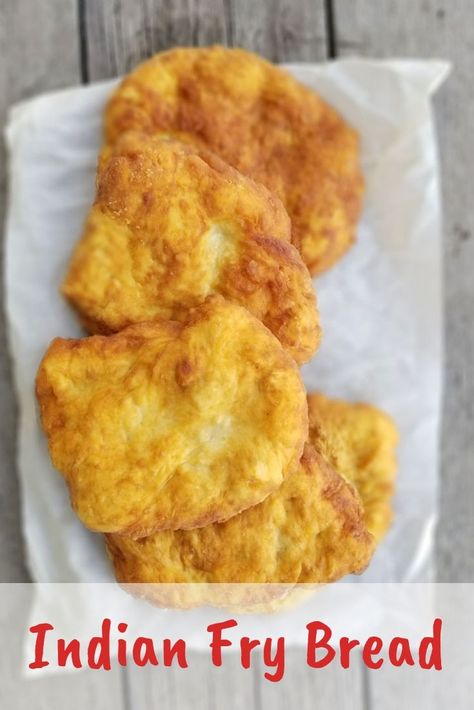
381, 306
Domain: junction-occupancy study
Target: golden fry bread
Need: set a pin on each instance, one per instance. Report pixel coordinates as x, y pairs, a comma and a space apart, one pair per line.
359, 440
309, 530
172, 425
172, 224
264, 123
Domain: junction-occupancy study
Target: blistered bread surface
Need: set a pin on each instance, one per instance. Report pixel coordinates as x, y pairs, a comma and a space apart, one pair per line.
171, 425
263, 122
172, 224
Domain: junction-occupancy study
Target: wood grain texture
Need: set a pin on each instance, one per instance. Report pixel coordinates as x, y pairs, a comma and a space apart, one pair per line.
39, 51
40, 47
281, 30
204, 687
74, 690
119, 34
440, 29
394, 688
200, 686
306, 688
32, 37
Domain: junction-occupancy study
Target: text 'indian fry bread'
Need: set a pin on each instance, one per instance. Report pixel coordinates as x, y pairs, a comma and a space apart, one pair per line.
261, 121
173, 224
170, 425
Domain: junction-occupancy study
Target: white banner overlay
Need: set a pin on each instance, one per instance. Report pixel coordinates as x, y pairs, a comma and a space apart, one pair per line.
56, 628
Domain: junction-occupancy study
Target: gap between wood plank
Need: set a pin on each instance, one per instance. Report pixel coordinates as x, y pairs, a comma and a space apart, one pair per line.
366, 694
125, 686
229, 23
331, 35
256, 689
83, 45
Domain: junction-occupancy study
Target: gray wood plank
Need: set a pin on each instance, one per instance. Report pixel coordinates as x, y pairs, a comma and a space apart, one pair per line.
306, 688
204, 686
201, 686
38, 51
281, 30
441, 29
75, 690
122, 33
394, 688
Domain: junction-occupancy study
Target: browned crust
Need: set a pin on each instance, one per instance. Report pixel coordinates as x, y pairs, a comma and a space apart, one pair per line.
100, 393
260, 120
172, 224
359, 441
310, 530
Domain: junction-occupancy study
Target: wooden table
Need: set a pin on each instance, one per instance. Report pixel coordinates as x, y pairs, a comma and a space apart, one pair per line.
57, 43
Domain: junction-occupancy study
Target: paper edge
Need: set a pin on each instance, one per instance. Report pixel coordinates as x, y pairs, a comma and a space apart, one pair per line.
16, 114
439, 69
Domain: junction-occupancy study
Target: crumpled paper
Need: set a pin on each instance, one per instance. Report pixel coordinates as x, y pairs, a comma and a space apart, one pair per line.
381, 305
